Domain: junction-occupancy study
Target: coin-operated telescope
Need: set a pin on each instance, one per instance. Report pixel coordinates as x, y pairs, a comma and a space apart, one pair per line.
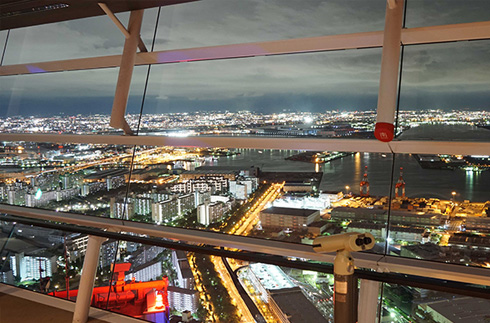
345, 296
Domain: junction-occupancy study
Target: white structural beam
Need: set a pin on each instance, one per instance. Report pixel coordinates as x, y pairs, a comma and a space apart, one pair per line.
114, 19
120, 26
412, 36
347, 145
388, 80
86, 286
126, 73
380, 263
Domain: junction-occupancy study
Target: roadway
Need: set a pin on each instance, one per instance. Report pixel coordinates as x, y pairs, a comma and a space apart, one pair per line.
233, 286
251, 217
252, 307
245, 304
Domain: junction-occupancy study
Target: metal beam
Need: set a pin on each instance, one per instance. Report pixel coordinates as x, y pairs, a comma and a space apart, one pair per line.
380, 263
347, 145
412, 36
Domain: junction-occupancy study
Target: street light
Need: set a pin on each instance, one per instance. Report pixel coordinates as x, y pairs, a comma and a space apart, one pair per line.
453, 193
347, 188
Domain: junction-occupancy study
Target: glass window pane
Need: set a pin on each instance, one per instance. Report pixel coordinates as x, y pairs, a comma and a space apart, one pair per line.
38, 102
220, 22
440, 208
320, 94
3, 39
75, 178
444, 92
88, 37
286, 195
35, 258
214, 288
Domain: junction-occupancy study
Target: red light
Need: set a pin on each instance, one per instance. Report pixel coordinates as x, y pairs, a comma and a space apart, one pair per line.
384, 131
60, 146
159, 301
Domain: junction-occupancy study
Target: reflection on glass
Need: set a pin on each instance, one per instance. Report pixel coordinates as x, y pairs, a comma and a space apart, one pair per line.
154, 283
444, 92
39, 259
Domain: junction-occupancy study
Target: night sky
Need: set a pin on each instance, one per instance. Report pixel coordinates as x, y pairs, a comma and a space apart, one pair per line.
445, 76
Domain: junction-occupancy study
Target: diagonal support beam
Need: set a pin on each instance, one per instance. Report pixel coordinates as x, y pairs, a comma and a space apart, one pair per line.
125, 74
390, 60
120, 26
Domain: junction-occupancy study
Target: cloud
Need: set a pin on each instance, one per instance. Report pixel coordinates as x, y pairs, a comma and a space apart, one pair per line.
442, 12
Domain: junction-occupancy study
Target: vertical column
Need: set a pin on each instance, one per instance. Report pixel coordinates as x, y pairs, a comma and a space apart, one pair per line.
84, 297
368, 301
126, 72
390, 61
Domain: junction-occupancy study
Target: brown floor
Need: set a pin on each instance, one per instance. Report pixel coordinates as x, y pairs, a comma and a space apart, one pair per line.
18, 310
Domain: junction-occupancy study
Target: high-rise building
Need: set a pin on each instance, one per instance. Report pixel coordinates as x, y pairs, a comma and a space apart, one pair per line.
32, 267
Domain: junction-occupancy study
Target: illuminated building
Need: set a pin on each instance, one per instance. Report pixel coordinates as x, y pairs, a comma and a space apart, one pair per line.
148, 271
185, 279
238, 190
283, 218
201, 196
142, 205
176, 206
182, 299
210, 212
122, 208
32, 267
215, 184
199, 174
76, 246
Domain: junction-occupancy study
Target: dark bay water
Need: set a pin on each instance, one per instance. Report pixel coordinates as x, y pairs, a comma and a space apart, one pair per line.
348, 171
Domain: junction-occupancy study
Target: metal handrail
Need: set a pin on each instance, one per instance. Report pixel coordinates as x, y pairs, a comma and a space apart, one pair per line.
193, 237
